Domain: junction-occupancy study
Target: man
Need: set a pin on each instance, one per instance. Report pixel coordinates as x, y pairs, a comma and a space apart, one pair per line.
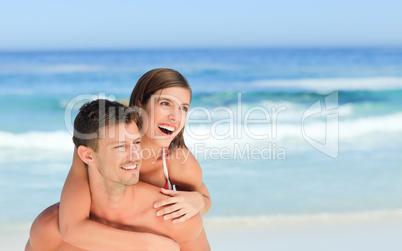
107, 138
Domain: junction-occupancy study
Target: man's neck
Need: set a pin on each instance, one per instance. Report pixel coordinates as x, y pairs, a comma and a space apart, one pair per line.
105, 193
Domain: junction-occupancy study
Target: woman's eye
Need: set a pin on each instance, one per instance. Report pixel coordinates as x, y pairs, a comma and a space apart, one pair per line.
165, 103
137, 142
119, 146
184, 109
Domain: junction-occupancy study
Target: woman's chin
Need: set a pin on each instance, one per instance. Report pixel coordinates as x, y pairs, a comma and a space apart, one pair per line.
164, 142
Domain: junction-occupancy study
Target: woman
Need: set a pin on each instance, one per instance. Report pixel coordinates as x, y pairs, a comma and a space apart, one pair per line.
164, 97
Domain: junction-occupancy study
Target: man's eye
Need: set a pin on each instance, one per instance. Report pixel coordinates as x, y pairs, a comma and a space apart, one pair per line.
184, 109
137, 142
119, 146
165, 103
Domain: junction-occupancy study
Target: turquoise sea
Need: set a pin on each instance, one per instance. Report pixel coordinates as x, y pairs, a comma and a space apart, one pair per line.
278, 132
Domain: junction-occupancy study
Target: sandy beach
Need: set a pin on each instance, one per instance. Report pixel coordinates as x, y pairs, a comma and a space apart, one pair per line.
14, 238
370, 234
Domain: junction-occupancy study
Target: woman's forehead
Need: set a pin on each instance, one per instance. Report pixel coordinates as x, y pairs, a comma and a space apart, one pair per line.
180, 95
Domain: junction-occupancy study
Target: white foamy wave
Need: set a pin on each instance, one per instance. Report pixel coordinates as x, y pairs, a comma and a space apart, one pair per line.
225, 134
263, 110
55, 141
228, 133
274, 220
370, 125
325, 85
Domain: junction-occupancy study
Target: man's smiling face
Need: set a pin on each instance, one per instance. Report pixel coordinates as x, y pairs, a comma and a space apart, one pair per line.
118, 158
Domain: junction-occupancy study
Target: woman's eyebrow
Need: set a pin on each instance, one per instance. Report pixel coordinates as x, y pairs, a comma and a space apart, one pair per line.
167, 99
164, 99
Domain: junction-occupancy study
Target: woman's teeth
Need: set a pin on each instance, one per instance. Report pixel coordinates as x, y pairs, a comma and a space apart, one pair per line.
167, 129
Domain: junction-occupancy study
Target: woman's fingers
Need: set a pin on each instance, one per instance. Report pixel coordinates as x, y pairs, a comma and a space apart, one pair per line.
169, 192
168, 201
168, 210
174, 215
180, 207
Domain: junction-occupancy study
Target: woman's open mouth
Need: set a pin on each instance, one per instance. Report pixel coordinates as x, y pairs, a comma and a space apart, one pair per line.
166, 129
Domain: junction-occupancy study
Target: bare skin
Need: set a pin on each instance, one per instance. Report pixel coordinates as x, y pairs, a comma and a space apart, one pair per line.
101, 237
44, 235
190, 235
185, 173
119, 201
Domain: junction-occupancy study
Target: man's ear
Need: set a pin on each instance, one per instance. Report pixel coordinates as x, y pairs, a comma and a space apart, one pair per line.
86, 154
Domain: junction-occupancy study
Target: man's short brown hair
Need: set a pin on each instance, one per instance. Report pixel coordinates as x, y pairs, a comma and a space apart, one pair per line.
97, 114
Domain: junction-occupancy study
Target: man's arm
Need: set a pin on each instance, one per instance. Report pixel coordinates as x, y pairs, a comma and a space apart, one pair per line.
200, 243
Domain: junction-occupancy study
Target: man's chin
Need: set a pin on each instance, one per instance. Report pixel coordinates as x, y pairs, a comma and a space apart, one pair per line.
131, 182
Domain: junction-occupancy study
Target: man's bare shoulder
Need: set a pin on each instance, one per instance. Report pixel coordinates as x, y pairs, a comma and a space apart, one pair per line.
45, 234
153, 192
180, 232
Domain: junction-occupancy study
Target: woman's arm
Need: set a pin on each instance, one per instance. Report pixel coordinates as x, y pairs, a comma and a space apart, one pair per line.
203, 190
192, 196
77, 229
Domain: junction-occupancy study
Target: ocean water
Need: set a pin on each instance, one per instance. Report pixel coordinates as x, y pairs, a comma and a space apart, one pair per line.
279, 133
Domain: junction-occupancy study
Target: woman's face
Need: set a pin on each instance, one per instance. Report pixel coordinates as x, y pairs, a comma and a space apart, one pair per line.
167, 114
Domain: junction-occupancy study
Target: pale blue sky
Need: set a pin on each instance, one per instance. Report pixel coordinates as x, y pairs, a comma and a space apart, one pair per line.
125, 24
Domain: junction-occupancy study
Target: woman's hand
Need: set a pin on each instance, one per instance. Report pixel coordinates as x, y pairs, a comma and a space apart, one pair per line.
181, 205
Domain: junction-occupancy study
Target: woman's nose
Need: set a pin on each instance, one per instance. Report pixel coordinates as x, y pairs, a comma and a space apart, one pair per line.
173, 115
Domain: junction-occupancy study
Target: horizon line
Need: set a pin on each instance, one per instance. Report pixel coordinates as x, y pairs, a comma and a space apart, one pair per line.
200, 48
